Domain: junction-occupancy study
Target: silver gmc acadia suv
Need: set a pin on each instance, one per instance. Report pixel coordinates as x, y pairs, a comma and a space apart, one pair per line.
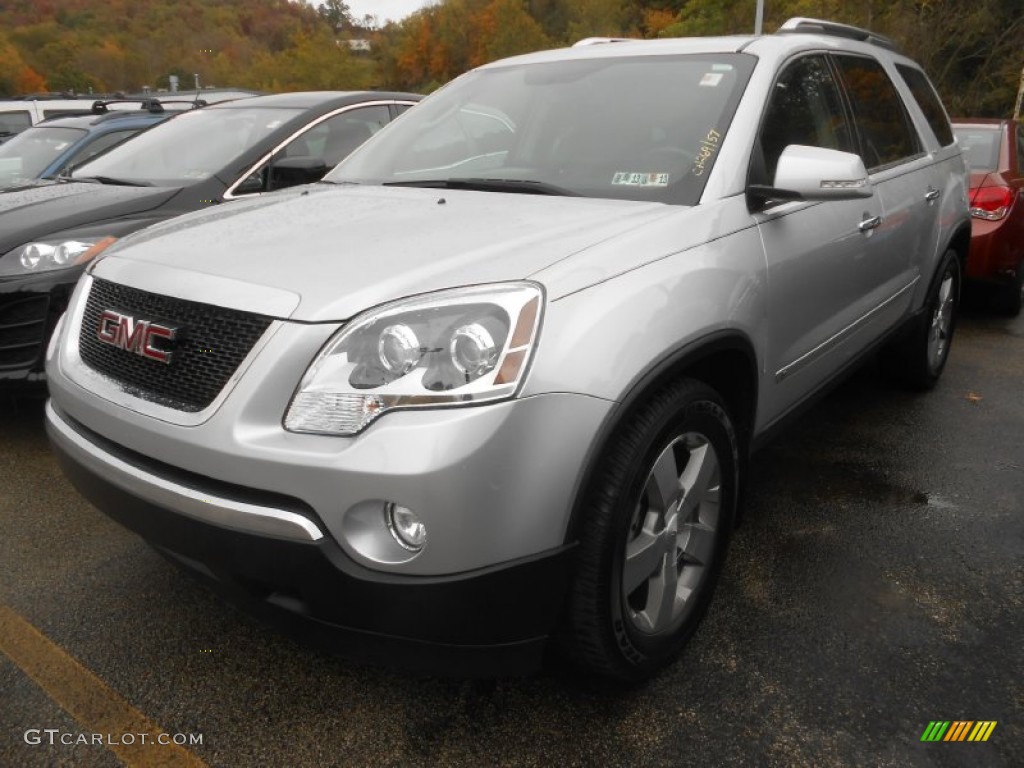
492, 386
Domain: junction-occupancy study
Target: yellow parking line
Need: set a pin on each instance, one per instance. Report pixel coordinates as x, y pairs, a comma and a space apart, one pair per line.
96, 707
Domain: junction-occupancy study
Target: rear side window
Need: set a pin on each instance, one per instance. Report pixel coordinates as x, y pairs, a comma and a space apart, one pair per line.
14, 122
928, 101
887, 136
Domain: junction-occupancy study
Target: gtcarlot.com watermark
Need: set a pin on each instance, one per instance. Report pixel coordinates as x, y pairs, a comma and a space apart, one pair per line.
54, 737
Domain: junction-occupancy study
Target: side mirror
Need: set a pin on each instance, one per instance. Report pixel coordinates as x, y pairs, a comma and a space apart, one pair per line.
814, 173
292, 171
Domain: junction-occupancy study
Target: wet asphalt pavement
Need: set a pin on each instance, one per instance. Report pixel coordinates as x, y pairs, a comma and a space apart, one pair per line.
876, 584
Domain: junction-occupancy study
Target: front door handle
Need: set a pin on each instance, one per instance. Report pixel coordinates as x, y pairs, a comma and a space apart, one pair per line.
932, 194
870, 223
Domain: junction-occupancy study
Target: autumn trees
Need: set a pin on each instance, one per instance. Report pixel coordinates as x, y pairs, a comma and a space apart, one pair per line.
123, 45
972, 50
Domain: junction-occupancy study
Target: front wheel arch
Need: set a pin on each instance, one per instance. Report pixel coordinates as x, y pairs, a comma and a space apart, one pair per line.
658, 516
726, 362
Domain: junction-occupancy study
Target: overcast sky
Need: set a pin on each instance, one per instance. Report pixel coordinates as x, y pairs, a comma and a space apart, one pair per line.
385, 10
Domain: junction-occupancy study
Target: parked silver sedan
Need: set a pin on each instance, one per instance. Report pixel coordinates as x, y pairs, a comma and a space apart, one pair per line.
496, 381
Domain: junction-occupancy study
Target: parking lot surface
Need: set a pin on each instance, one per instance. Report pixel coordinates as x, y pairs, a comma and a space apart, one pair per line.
876, 585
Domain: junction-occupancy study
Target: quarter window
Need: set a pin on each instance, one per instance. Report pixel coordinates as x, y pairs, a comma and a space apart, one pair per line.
928, 101
886, 134
804, 108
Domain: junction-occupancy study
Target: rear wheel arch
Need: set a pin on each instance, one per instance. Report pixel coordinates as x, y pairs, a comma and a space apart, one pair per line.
961, 244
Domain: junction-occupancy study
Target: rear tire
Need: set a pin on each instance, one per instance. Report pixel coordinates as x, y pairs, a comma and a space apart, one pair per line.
1009, 298
656, 526
918, 356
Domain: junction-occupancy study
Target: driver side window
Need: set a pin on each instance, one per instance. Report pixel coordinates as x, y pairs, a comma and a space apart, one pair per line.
331, 141
804, 108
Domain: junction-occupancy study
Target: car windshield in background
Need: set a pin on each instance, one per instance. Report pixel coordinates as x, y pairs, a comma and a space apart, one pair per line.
26, 155
634, 128
980, 145
187, 148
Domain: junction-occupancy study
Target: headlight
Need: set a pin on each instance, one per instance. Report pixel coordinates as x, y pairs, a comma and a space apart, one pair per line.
48, 255
457, 347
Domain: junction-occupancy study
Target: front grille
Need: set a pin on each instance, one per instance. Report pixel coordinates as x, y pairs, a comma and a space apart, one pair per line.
22, 329
211, 343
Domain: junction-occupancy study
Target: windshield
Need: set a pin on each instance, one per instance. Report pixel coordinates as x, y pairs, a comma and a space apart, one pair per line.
32, 151
188, 148
980, 145
635, 128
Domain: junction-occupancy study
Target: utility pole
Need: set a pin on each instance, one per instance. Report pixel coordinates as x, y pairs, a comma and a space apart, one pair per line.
759, 19
1020, 97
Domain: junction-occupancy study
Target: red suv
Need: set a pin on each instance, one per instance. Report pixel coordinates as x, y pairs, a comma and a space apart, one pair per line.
994, 151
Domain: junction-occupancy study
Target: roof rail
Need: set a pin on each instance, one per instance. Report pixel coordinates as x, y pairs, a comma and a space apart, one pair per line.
150, 105
192, 103
800, 24
601, 40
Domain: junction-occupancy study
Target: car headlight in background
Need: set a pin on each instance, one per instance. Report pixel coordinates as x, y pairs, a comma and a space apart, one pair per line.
48, 255
456, 347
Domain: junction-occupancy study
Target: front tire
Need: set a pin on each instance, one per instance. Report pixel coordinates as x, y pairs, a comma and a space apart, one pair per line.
656, 526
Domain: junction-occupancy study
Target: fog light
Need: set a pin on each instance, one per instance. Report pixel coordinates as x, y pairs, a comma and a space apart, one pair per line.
406, 528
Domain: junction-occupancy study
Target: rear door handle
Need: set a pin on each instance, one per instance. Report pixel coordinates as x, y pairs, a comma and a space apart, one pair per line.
932, 194
871, 223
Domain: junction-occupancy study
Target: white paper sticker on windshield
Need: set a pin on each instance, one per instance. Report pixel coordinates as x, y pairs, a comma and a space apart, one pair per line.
640, 179
711, 79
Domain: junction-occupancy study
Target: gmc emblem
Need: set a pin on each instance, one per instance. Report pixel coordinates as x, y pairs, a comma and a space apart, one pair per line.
136, 336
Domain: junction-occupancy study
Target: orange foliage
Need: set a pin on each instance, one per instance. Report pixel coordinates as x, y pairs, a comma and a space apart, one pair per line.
657, 19
27, 80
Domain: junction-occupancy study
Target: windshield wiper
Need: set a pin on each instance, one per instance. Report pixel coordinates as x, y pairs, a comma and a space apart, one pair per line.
519, 186
111, 180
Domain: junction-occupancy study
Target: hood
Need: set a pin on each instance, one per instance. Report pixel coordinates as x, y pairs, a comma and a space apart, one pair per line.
35, 212
337, 250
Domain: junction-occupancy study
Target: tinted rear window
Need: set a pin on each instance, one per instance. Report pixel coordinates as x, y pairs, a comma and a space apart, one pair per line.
980, 145
928, 100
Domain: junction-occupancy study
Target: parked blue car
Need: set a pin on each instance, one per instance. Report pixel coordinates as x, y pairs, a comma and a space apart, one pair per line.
60, 144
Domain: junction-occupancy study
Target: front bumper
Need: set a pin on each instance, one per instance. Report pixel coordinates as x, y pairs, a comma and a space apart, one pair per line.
487, 621
29, 309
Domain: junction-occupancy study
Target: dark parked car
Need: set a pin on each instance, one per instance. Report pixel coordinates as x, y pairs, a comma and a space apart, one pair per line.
994, 150
194, 160
58, 145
